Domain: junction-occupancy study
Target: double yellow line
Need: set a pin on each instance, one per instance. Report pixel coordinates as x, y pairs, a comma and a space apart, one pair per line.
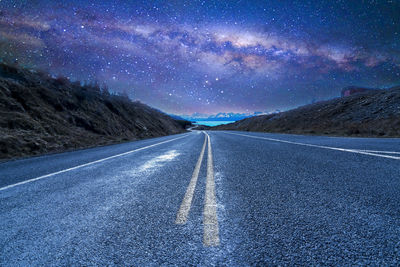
210, 219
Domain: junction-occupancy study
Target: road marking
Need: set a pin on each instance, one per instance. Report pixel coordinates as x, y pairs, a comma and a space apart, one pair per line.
210, 219
182, 216
157, 162
378, 151
87, 164
364, 152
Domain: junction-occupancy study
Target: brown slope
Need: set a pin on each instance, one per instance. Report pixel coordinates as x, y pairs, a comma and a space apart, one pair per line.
375, 113
39, 114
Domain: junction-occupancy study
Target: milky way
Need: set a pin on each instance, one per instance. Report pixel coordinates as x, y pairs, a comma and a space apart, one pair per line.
209, 56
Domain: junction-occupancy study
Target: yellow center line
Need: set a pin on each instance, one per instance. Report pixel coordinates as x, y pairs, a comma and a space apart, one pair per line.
182, 216
210, 219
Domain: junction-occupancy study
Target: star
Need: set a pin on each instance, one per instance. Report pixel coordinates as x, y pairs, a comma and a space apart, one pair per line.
218, 56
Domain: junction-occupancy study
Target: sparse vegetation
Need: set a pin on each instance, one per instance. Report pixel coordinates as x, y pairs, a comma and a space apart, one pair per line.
369, 114
40, 114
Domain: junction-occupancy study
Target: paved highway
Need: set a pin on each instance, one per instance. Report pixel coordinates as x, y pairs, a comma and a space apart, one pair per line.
206, 198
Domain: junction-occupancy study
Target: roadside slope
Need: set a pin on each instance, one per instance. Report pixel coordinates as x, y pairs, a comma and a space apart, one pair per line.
375, 113
40, 114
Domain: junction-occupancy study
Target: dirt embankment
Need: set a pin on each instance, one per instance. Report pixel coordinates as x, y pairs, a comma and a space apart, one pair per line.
40, 114
369, 114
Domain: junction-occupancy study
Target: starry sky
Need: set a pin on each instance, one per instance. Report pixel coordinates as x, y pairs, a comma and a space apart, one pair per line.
209, 56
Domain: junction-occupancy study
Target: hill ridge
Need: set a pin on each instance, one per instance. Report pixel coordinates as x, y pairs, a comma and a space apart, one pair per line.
40, 114
370, 114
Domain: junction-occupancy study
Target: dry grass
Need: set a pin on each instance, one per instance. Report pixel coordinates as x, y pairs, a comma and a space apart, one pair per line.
371, 114
39, 114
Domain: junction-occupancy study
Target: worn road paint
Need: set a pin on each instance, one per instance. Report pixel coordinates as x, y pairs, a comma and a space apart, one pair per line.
183, 213
210, 218
86, 164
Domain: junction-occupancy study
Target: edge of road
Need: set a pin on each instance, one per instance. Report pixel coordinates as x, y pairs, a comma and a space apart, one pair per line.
357, 151
89, 163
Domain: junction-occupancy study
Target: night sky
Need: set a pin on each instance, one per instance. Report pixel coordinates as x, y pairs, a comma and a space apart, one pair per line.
209, 56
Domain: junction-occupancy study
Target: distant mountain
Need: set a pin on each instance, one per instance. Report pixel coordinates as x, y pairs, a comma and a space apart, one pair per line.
40, 114
222, 116
369, 113
176, 117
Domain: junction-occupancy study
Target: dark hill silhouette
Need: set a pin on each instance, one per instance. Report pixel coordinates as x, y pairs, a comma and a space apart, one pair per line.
369, 114
40, 114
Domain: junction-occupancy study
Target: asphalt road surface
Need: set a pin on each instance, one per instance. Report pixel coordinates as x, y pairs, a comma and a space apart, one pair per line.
206, 198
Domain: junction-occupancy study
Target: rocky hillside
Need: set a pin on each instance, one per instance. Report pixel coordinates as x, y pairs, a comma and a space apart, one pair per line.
369, 114
40, 114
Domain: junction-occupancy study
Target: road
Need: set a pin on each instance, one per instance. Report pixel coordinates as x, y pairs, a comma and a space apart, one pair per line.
206, 198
